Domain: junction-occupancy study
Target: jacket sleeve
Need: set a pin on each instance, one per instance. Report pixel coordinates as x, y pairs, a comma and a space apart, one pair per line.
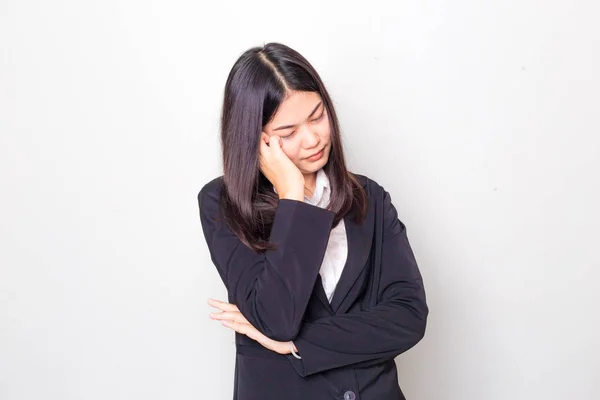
381, 332
271, 289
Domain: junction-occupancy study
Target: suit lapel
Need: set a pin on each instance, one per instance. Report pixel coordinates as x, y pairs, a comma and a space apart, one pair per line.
359, 238
320, 293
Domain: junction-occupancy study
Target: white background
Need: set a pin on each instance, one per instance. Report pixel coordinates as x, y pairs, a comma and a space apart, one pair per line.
481, 119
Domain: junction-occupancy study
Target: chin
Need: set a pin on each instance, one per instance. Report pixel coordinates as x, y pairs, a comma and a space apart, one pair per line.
311, 167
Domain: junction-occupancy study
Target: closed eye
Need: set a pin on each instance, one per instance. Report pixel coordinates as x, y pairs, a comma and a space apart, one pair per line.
320, 117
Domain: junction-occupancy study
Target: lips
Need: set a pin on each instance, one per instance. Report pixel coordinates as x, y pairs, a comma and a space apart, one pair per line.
317, 153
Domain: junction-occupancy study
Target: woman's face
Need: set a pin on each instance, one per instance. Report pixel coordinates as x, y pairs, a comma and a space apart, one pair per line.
302, 124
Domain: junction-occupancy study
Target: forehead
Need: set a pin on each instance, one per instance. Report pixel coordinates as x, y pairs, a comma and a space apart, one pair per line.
296, 108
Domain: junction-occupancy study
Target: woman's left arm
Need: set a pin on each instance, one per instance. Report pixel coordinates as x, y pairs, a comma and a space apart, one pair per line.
381, 332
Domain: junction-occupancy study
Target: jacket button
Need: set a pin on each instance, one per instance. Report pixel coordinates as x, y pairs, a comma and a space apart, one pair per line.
349, 395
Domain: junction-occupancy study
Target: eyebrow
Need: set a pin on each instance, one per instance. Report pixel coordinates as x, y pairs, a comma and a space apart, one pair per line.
291, 126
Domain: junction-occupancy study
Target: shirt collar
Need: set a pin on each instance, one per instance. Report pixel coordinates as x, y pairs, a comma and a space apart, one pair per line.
321, 187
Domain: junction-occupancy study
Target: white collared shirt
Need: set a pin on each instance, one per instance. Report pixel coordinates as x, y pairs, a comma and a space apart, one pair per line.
337, 247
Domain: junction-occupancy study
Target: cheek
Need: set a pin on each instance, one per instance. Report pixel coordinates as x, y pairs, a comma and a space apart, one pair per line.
291, 150
325, 129
325, 135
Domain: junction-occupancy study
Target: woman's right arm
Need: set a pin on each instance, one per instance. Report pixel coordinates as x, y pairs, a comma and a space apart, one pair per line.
271, 289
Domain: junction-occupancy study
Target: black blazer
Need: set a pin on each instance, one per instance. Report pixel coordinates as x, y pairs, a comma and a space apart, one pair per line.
378, 309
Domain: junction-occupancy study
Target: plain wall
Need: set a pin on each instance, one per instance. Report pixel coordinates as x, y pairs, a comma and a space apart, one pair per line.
480, 118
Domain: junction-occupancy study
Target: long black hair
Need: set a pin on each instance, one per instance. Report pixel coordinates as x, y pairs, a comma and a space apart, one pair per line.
258, 83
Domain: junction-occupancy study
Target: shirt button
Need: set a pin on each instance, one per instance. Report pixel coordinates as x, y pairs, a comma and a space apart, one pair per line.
349, 395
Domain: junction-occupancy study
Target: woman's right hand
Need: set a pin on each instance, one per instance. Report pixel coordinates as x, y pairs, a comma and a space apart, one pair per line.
279, 169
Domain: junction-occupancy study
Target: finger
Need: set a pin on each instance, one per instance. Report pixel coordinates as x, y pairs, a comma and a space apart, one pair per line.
263, 152
277, 144
262, 155
248, 330
221, 305
265, 138
236, 326
255, 334
225, 315
230, 316
265, 141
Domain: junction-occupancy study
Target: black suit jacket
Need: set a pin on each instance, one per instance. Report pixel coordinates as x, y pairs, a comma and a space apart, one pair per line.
378, 309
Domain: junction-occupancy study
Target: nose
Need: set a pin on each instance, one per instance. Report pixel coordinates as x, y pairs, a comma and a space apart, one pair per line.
311, 138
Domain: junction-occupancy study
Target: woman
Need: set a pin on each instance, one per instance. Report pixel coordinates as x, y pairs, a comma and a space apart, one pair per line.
323, 287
